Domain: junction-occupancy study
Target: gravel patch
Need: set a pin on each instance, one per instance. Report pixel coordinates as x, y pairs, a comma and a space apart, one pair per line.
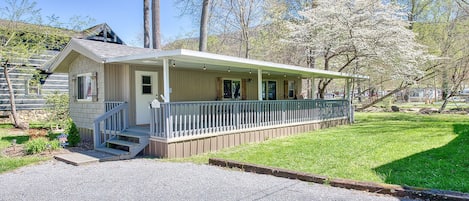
145, 179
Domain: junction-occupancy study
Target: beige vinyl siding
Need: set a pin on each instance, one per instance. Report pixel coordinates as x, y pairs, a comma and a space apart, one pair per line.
186, 84
199, 85
83, 113
117, 79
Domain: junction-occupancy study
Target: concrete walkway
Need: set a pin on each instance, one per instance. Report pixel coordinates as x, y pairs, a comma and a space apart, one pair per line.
145, 179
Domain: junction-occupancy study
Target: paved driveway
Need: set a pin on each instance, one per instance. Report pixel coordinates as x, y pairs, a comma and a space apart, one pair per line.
145, 179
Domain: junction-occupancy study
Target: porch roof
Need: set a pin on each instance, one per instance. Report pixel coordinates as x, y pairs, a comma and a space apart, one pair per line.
182, 58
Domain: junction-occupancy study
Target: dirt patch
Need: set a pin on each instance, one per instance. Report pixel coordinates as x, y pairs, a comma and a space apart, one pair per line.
37, 133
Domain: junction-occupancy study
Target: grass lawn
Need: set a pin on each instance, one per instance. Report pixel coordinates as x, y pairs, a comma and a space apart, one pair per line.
11, 163
430, 151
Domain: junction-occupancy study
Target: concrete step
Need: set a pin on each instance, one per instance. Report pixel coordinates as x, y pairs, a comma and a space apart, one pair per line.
137, 131
123, 143
116, 152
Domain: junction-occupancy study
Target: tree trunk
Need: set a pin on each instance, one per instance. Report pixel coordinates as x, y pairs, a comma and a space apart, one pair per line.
400, 88
204, 26
146, 23
443, 106
16, 121
155, 13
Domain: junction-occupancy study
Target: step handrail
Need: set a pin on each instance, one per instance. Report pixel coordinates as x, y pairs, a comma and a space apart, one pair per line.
110, 123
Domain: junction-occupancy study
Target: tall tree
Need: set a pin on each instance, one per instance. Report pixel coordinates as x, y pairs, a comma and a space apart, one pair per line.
146, 23
203, 36
155, 13
446, 35
230, 19
359, 37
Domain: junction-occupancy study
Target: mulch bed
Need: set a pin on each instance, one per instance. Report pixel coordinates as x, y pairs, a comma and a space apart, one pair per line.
18, 149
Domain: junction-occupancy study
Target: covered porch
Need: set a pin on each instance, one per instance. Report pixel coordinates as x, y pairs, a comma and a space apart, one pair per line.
182, 129
186, 126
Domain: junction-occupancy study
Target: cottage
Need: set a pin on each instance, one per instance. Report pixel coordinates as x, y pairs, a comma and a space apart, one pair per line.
179, 103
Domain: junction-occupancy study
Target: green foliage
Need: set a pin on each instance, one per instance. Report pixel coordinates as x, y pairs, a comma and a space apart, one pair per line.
39, 145
5, 141
73, 134
58, 108
7, 163
407, 149
6, 125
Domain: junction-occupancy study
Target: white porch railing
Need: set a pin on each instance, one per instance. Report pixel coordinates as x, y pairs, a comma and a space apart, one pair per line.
114, 120
185, 119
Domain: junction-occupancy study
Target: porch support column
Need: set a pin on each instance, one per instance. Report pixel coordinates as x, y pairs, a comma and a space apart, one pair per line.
166, 88
259, 84
349, 101
347, 88
313, 88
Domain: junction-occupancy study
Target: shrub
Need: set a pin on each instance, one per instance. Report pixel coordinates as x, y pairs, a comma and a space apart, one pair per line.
73, 134
39, 145
58, 108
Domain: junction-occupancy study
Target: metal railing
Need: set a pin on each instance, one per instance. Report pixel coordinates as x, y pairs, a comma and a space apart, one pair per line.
115, 120
184, 119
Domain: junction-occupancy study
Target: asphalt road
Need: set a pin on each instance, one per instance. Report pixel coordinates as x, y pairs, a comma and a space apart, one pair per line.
145, 179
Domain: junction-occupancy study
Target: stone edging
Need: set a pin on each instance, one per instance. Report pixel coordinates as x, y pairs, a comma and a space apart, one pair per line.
389, 189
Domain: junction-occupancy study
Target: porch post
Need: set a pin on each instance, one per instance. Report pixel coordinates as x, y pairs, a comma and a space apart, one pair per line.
347, 92
349, 101
313, 88
259, 84
166, 80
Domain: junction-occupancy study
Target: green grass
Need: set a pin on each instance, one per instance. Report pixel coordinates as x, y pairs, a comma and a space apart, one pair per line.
8, 164
430, 151
11, 163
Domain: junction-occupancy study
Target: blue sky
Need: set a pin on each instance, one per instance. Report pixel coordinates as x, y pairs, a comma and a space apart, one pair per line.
125, 17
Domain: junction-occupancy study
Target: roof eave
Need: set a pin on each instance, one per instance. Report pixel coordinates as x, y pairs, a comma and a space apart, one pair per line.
72, 46
266, 64
242, 62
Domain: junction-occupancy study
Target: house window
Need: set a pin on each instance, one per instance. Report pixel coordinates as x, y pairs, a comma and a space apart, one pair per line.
269, 90
84, 87
146, 84
291, 89
231, 89
32, 87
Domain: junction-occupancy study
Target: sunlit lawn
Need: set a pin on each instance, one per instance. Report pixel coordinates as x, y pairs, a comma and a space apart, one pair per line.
11, 163
429, 151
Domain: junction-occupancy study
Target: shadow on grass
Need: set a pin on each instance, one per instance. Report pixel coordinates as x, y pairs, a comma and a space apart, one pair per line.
445, 168
20, 139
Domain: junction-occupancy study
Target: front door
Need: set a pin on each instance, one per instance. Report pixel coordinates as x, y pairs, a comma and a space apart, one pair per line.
269, 90
146, 89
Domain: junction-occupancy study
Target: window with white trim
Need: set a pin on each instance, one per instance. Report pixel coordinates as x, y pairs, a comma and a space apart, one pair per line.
291, 89
269, 90
232, 89
147, 84
85, 87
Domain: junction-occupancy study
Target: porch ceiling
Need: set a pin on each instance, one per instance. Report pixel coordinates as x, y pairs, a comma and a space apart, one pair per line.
214, 62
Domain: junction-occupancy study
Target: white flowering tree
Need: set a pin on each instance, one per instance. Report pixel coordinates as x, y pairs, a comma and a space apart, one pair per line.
361, 36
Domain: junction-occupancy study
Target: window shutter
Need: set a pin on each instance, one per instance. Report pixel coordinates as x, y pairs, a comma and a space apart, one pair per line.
219, 89
94, 86
74, 88
243, 89
285, 89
